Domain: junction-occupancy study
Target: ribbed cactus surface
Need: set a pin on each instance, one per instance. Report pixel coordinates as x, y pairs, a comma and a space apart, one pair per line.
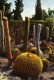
28, 65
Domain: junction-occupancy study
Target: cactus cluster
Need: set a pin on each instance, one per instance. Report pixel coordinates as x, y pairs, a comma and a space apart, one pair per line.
49, 49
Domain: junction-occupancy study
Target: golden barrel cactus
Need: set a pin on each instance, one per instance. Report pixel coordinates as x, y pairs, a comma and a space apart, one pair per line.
45, 64
28, 65
34, 49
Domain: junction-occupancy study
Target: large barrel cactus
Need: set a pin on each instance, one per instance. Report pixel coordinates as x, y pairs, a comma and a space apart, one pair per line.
28, 65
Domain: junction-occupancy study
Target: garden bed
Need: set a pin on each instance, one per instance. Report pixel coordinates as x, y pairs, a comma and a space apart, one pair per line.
5, 72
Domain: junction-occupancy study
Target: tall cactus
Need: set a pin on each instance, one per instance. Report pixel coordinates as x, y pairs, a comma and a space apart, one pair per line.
1, 34
34, 35
26, 32
3, 11
8, 46
47, 33
38, 38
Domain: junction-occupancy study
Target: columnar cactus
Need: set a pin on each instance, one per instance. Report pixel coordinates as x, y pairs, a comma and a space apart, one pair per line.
38, 38
8, 46
26, 32
1, 34
3, 11
47, 33
34, 35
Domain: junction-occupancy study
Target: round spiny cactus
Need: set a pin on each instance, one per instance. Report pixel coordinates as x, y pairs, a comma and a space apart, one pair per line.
28, 65
45, 64
34, 49
49, 49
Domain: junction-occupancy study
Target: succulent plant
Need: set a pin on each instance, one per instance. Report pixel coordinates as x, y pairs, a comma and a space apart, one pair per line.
49, 49
34, 49
26, 32
28, 65
7, 39
47, 33
45, 64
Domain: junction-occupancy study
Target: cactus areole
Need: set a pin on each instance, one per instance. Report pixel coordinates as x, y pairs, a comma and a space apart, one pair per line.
28, 65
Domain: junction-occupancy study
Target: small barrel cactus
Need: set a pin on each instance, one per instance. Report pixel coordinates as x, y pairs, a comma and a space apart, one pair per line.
34, 49
28, 65
45, 64
49, 49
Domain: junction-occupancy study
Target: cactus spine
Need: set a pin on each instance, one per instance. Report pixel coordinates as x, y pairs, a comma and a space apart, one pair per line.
26, 32
1, 34
8, 46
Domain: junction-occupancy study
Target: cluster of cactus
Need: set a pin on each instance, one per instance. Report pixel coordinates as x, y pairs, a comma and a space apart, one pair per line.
28, 64
44, 60
49, 49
